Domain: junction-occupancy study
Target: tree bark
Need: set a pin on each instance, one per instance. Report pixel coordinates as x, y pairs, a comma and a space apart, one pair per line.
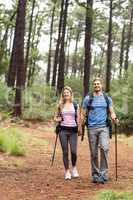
68, 54
33, 61
74, 66
29, 38
16, 68
128, 41
122, 51
109, 50
50, 46
60, 82
88, 39
56, 57
4, 42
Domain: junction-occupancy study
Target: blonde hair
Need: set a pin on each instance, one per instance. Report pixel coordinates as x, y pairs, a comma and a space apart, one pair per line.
61, 100
98, 79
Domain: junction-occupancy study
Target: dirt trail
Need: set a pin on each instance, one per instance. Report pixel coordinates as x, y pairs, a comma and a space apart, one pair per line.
33, 178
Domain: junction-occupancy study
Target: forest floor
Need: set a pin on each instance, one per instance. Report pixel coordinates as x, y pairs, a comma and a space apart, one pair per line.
32, 178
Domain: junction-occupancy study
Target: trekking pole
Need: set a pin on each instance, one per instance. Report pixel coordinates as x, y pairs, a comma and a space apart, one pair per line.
53, 155
83, 132
116, 175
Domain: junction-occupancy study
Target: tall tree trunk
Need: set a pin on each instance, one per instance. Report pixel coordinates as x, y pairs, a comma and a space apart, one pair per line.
56, 57
109, 50
60, 82
68, 53
10, 41
33, 42
16, 68
101, 62
88, 39
122, 51
128, 41
33, 61
4, 41
29, 38
74, 65
50, 46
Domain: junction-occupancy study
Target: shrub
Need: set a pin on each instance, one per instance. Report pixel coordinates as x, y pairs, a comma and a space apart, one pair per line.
39, 102
111, 195
12, 141
3, 96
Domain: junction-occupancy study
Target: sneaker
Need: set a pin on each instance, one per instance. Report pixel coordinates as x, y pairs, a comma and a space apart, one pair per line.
101, 179
75, 173
67, 175
105, 178
95, 178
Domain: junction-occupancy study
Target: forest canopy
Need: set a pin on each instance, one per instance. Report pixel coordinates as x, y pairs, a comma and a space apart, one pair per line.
45, 45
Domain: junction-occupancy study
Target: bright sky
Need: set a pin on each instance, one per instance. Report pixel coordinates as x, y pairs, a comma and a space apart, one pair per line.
8, 3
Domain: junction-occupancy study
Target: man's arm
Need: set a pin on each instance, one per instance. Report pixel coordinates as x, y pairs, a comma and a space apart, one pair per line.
83, 116
113, 115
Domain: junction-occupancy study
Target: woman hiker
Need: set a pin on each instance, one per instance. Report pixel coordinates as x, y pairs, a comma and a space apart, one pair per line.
67, 116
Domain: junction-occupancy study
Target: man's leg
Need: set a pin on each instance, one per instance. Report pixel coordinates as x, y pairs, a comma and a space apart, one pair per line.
104, 148
93, 142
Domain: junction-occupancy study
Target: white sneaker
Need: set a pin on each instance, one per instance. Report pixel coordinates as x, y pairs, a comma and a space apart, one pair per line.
75, 173
67, 175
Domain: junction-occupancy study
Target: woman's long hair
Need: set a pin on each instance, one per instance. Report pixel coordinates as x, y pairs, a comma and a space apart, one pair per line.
62, 100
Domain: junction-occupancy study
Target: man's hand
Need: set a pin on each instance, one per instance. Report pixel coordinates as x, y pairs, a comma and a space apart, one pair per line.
113, 115
114, 118
116, 121
79, 130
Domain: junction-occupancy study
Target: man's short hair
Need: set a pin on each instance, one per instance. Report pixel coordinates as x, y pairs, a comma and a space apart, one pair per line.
98, 79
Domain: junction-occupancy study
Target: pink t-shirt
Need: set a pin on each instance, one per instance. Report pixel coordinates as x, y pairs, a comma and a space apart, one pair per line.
68, 116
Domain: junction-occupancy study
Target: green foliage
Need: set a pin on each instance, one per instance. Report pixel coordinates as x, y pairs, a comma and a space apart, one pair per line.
12, 141
6, 97
76, 84
111, 195
122, 94
39, 102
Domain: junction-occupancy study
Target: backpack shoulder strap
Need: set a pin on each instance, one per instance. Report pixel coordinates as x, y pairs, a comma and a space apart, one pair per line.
75, 107
107, 101
89, 107
106, 98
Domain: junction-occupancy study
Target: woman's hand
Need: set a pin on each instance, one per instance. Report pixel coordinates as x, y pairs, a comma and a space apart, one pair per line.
58, 119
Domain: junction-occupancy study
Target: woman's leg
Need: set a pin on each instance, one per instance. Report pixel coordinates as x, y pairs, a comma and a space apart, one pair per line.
64, 144
73, 148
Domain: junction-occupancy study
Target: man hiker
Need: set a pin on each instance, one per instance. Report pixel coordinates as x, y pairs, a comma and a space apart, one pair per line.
98, 106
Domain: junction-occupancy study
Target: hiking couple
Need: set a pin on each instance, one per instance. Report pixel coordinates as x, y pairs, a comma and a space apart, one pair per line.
70, 118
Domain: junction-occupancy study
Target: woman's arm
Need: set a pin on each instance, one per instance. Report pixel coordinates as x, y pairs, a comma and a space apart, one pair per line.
57, 116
